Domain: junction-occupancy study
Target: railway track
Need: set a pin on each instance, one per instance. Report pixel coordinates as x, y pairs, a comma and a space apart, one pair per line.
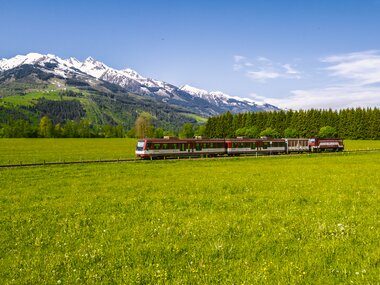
51, 163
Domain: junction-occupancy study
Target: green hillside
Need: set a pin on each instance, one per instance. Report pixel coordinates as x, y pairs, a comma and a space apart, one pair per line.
96, 104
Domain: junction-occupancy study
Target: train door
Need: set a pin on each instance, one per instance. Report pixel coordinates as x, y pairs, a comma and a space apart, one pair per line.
259, 145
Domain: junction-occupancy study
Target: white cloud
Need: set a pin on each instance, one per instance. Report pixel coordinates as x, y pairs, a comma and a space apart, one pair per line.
240, 62
356, 75
289, 69
263, 69
350, 56
338, 97
263, 59
263, 74
237, 67
239, 58
361, 67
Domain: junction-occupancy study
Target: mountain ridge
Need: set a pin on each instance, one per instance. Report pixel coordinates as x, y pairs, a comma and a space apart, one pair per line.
205, 104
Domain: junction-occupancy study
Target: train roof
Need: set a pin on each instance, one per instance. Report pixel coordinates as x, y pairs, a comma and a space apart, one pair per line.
254, 140
177, 140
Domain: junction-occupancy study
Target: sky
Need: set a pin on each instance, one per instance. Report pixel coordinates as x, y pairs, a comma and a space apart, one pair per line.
293, 54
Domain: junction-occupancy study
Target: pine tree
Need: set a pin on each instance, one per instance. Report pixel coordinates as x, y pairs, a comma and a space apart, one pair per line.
227, 122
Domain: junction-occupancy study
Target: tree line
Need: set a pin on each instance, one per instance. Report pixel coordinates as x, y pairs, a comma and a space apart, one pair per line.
358, 123
351, 123
70, 129
83, 128
144, 128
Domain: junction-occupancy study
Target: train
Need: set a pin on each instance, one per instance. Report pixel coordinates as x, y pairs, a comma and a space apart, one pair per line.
172, 147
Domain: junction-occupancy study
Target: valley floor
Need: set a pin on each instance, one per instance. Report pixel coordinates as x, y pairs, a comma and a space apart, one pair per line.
280, 220
14, 151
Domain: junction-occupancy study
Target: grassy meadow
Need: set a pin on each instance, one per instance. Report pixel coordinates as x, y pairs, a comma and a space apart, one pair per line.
14, 151
361, 144
310, 219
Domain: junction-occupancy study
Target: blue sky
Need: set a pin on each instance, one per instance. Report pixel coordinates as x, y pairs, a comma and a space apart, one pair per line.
293, 54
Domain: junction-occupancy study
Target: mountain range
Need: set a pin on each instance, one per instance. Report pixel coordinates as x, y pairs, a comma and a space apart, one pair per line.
34, 71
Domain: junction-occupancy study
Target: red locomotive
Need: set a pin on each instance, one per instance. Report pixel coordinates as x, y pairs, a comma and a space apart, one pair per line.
200, 147
319, 144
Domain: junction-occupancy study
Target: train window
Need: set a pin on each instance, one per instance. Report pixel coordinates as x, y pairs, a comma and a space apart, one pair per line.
205, 145
265, 145
198, 146
168, 146
140, 146
182, 147
253, 145
157, 146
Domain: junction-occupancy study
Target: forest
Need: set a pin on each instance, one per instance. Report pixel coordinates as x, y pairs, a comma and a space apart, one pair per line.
352, 123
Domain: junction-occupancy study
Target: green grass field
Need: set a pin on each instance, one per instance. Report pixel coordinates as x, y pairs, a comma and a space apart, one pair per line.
361, 144
14, 151
272, 220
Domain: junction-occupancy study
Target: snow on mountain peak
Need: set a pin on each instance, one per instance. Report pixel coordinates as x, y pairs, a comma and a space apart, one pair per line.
220, 94
74, 62
132, 74
194, 91
30, 58
33, 56
131, 80
90, 59
93, 67
204, 93
222, 99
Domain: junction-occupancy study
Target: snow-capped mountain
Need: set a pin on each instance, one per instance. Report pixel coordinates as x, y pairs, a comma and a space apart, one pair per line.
221, 99
92, 71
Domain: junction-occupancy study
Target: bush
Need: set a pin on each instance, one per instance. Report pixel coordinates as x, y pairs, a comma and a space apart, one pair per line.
269, 132
327, 132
